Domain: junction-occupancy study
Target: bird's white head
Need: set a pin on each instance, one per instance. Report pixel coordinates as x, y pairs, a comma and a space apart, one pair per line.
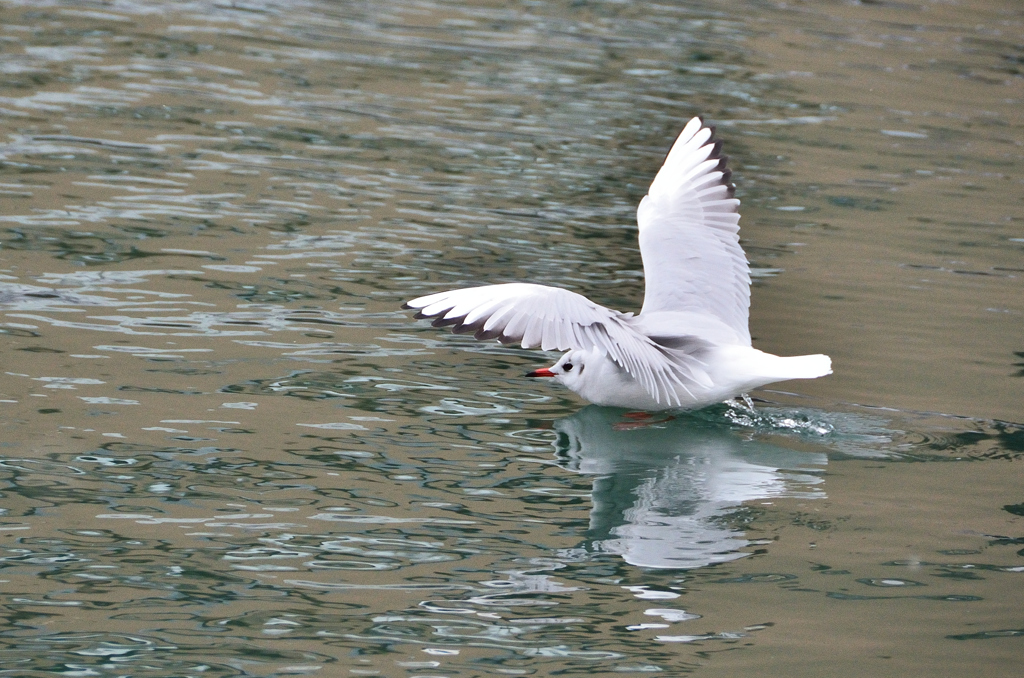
569, 369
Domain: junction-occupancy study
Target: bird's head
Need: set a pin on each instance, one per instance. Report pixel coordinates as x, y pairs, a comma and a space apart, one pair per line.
568, 370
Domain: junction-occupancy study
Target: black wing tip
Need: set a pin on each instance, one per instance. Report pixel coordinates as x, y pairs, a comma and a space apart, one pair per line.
716, 143
723, 162
458, 327
726, 179
468, 327
484, 335
446, 322
407, 307
716, 152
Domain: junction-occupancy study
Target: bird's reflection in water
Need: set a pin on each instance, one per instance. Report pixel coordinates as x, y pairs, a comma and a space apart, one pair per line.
665, 486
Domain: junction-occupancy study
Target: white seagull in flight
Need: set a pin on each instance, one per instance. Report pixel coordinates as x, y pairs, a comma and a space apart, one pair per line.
690, 345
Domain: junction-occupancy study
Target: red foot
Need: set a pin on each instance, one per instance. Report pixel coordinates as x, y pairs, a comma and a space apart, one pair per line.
639, 420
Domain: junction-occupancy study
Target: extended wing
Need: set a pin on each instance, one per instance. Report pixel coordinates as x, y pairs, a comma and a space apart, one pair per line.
689, 235
550, 318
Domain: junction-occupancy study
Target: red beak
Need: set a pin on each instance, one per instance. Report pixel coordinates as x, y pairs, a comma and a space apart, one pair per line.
542, 372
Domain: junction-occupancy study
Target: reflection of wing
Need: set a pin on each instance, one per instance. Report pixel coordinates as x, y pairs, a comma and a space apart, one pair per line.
555, 319
689, 235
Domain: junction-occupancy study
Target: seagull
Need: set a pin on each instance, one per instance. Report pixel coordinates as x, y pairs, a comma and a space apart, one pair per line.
689, 347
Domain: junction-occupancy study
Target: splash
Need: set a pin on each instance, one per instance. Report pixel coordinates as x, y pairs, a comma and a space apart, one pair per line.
743, 413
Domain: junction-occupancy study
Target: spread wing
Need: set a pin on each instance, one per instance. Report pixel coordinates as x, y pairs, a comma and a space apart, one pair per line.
689, 235
550, 318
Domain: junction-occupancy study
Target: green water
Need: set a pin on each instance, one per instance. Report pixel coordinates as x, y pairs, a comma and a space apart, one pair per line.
226, 450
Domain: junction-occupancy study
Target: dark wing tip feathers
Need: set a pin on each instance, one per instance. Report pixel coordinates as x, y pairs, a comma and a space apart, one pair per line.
726, 176
717, 143
716, 154
458, 327
445, 322
726, 180
467, 328
485, 335
723, 160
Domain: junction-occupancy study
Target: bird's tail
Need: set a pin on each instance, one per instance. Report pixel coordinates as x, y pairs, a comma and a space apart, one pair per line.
802, 367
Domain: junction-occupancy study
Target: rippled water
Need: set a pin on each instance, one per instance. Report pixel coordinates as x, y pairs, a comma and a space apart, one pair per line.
226, 451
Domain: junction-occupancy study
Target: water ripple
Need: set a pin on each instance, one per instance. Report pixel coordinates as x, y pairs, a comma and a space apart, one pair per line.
214, 206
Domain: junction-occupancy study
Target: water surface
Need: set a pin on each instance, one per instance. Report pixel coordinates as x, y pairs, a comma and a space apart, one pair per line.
226, 451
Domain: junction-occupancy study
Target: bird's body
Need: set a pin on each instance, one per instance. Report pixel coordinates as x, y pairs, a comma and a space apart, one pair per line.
731, 370
690, 344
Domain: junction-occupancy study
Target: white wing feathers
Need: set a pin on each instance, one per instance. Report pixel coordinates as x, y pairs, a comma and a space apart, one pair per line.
550, 318
689, 235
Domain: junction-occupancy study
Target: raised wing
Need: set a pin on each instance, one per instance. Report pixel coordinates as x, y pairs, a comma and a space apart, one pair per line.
689, 235
550, 318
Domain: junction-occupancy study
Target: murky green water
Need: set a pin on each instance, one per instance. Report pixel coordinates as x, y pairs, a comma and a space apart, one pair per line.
227, 452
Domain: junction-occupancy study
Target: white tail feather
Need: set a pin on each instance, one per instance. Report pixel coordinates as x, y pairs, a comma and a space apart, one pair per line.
802, 367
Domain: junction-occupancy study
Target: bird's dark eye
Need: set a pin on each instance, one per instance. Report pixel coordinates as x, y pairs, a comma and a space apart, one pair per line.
567, 367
